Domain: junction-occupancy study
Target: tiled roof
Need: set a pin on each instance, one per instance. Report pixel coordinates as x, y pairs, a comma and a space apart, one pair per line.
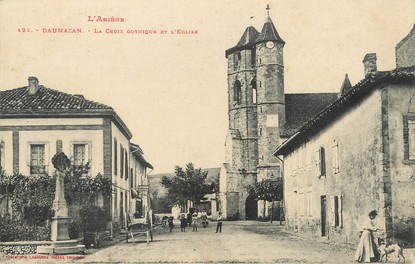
138, 153
45, 99
247, 41
49, 102
301, 107
339, 106
269, 33
249, 36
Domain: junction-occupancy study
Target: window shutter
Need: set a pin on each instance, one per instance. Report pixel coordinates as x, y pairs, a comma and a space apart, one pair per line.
332, 212
340, 211
322, 162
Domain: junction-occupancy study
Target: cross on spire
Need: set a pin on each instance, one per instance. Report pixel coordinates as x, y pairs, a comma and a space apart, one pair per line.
267, 10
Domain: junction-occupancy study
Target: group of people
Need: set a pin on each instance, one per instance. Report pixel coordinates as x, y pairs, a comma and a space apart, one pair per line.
193, 220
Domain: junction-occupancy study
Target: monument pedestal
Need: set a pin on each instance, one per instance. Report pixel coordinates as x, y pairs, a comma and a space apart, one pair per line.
62, 247
61, 243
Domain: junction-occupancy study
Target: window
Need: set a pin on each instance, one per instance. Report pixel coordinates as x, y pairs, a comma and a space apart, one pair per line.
122, 161
321, 162
37, 159
115, 156
409, 138
336, 166
237, 92
236, 61
336, 211
254, 91
80, 157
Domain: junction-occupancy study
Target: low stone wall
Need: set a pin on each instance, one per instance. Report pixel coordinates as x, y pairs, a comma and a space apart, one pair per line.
21, 247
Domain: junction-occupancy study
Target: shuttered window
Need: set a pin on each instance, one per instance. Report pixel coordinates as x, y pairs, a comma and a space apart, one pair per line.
321, 162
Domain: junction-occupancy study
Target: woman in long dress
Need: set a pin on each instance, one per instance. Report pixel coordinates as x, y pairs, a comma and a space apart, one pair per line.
367, 249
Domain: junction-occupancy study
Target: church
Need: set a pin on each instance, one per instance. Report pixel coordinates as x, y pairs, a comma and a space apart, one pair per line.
260, 117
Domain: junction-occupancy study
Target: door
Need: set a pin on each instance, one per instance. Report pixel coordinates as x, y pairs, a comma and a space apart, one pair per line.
323, 215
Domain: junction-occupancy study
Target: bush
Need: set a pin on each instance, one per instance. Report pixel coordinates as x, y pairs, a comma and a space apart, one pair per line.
74, 229
36, 214
13, 231
8, 231
93, 218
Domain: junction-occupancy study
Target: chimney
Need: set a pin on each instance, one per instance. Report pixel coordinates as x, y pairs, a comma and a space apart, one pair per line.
369, 61
33, 85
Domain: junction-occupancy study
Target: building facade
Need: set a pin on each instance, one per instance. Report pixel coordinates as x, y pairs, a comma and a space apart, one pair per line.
260, 117
37, 122
357, 155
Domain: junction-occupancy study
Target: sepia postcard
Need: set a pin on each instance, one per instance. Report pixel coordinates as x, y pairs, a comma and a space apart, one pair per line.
247, 131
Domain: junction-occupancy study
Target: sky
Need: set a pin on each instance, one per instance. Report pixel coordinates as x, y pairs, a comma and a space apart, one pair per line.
171, 89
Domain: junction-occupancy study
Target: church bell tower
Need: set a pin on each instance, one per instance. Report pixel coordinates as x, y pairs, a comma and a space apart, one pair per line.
256, 114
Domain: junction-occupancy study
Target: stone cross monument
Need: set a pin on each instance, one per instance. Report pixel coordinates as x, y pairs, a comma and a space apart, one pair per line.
61, 243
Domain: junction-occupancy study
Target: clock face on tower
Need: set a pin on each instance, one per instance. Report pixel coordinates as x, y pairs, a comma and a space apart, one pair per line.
270, 44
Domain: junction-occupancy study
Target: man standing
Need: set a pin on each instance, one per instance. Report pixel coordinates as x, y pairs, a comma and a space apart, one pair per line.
219, 225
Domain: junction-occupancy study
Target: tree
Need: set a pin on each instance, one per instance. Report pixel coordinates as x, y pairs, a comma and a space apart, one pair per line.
268, 190
187, 184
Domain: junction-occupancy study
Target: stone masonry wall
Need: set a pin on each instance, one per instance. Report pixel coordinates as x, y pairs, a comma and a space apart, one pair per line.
358, 181
402, 170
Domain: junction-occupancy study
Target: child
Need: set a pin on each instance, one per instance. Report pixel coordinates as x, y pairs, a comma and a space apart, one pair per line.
219, 226
183, 223
194, 221
171, 225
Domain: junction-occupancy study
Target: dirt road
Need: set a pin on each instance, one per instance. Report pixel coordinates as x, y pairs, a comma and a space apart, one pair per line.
243, 241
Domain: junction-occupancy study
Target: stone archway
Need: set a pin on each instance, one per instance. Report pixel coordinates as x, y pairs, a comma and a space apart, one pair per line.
251, 208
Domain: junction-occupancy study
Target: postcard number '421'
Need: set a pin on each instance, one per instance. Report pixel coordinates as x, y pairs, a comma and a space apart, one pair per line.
23, 30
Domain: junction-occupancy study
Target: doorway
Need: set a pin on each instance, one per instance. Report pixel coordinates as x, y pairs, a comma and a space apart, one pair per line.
251, 207
323, 215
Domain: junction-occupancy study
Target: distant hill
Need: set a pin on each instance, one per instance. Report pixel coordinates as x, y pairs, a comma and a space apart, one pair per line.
154, 180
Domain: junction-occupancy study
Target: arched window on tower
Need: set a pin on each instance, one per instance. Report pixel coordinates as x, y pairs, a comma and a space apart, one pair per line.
254, 91
237, 92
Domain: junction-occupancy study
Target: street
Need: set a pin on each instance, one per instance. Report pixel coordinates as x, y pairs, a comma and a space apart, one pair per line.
241, 241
